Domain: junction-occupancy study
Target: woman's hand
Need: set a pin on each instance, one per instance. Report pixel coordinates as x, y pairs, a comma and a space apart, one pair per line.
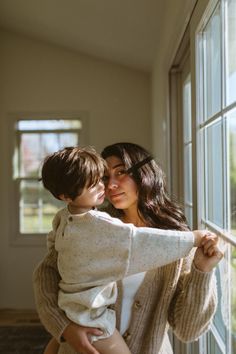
208, 255
78, 338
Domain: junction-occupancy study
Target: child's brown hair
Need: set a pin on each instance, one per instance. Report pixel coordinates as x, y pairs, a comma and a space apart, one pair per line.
68, 171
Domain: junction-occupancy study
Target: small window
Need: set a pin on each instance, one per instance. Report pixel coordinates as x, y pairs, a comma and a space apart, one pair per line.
35, 139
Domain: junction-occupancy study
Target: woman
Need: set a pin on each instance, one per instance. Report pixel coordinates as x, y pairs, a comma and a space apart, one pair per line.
148, 303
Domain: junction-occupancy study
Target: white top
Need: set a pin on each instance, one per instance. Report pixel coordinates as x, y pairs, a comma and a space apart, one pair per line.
131, 285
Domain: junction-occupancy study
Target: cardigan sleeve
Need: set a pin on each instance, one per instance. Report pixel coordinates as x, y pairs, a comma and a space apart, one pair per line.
45, 283
194, 303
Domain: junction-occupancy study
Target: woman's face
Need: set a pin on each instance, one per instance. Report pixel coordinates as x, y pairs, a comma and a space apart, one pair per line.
121, 189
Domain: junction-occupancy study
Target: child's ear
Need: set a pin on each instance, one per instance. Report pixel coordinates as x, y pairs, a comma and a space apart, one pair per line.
64, 198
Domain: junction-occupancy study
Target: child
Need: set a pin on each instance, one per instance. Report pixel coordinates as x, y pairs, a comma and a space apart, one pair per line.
95, 250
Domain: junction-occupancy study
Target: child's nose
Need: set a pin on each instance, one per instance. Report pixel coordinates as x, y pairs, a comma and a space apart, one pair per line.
101, 185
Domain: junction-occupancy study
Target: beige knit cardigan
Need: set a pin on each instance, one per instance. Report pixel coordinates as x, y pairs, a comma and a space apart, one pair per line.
176, 295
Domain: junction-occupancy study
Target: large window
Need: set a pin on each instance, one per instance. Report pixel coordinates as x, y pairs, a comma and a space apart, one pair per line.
203, 104
34, 139
216, 131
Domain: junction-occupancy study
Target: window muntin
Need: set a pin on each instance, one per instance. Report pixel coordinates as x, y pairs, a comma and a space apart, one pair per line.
230, 31
34, 140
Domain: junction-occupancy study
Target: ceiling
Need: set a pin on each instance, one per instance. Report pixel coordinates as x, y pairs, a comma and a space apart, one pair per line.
121, 31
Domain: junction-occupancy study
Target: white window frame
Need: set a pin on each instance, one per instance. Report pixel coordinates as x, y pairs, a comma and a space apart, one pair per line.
201, 18
22, 239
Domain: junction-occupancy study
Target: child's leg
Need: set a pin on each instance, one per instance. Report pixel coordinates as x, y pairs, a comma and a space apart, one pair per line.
112, 345
52, 347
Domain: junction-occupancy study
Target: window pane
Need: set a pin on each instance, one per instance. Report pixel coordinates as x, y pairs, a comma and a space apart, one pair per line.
221, 318
187, 110
68, 139
231, 120
37, 208
212, 64
60, 124
188, 173
231, 51
35, 146
212, 346
30, 148
188, 211
214, 179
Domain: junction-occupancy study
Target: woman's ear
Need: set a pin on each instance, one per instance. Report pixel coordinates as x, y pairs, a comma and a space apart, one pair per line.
64, 198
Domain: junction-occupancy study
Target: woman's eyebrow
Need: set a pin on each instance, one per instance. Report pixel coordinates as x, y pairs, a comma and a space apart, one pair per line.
118, 165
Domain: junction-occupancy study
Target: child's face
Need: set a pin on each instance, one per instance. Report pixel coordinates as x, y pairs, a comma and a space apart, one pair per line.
90, 197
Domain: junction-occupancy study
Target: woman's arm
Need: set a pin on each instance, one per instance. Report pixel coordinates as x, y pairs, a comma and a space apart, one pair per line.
45, 280
195, 300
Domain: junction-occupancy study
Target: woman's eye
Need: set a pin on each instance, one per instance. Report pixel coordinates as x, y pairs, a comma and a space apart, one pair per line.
121, 172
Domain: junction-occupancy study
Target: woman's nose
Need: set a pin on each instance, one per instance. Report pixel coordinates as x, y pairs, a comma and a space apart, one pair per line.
111, 183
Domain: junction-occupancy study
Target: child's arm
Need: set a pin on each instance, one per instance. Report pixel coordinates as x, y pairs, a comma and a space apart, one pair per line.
152, 248
135, 249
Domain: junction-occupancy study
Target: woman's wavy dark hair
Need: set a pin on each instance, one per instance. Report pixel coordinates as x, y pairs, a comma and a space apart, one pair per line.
154, 204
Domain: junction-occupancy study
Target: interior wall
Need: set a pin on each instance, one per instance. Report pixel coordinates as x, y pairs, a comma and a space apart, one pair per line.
39, 77
177, 15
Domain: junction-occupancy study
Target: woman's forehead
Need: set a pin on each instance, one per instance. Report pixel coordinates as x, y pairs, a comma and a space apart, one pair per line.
114, 162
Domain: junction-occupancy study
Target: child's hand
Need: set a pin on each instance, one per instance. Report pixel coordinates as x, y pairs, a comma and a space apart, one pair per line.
78, 338
209, 246
199, 236
208, 254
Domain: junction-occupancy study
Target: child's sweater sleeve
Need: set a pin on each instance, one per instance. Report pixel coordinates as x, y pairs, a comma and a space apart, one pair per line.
112, 250
152, 248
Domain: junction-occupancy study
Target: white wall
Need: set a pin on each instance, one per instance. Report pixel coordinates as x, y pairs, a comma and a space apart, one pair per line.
38, 77
175, 19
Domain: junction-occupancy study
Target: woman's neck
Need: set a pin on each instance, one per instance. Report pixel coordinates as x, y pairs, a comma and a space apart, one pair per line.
133, 217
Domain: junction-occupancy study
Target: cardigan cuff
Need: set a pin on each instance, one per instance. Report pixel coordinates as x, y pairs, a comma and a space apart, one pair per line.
59, 330
199, 276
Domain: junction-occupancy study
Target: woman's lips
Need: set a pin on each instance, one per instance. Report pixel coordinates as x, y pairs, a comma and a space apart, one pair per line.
116, 195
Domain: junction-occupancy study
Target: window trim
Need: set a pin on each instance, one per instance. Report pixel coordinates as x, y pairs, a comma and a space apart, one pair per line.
16, 238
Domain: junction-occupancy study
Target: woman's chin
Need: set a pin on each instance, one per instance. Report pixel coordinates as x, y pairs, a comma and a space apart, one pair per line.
119, 205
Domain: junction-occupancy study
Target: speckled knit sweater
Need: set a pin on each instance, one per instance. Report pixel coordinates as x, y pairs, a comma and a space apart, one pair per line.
95, 251
177, 294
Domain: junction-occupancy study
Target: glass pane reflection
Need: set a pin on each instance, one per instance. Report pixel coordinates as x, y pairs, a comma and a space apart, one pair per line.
212, 64
214, 174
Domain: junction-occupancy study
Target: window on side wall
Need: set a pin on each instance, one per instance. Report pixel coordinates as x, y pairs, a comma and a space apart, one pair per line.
35, 139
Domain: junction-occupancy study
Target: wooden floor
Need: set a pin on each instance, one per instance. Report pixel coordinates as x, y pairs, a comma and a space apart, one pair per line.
21, 333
